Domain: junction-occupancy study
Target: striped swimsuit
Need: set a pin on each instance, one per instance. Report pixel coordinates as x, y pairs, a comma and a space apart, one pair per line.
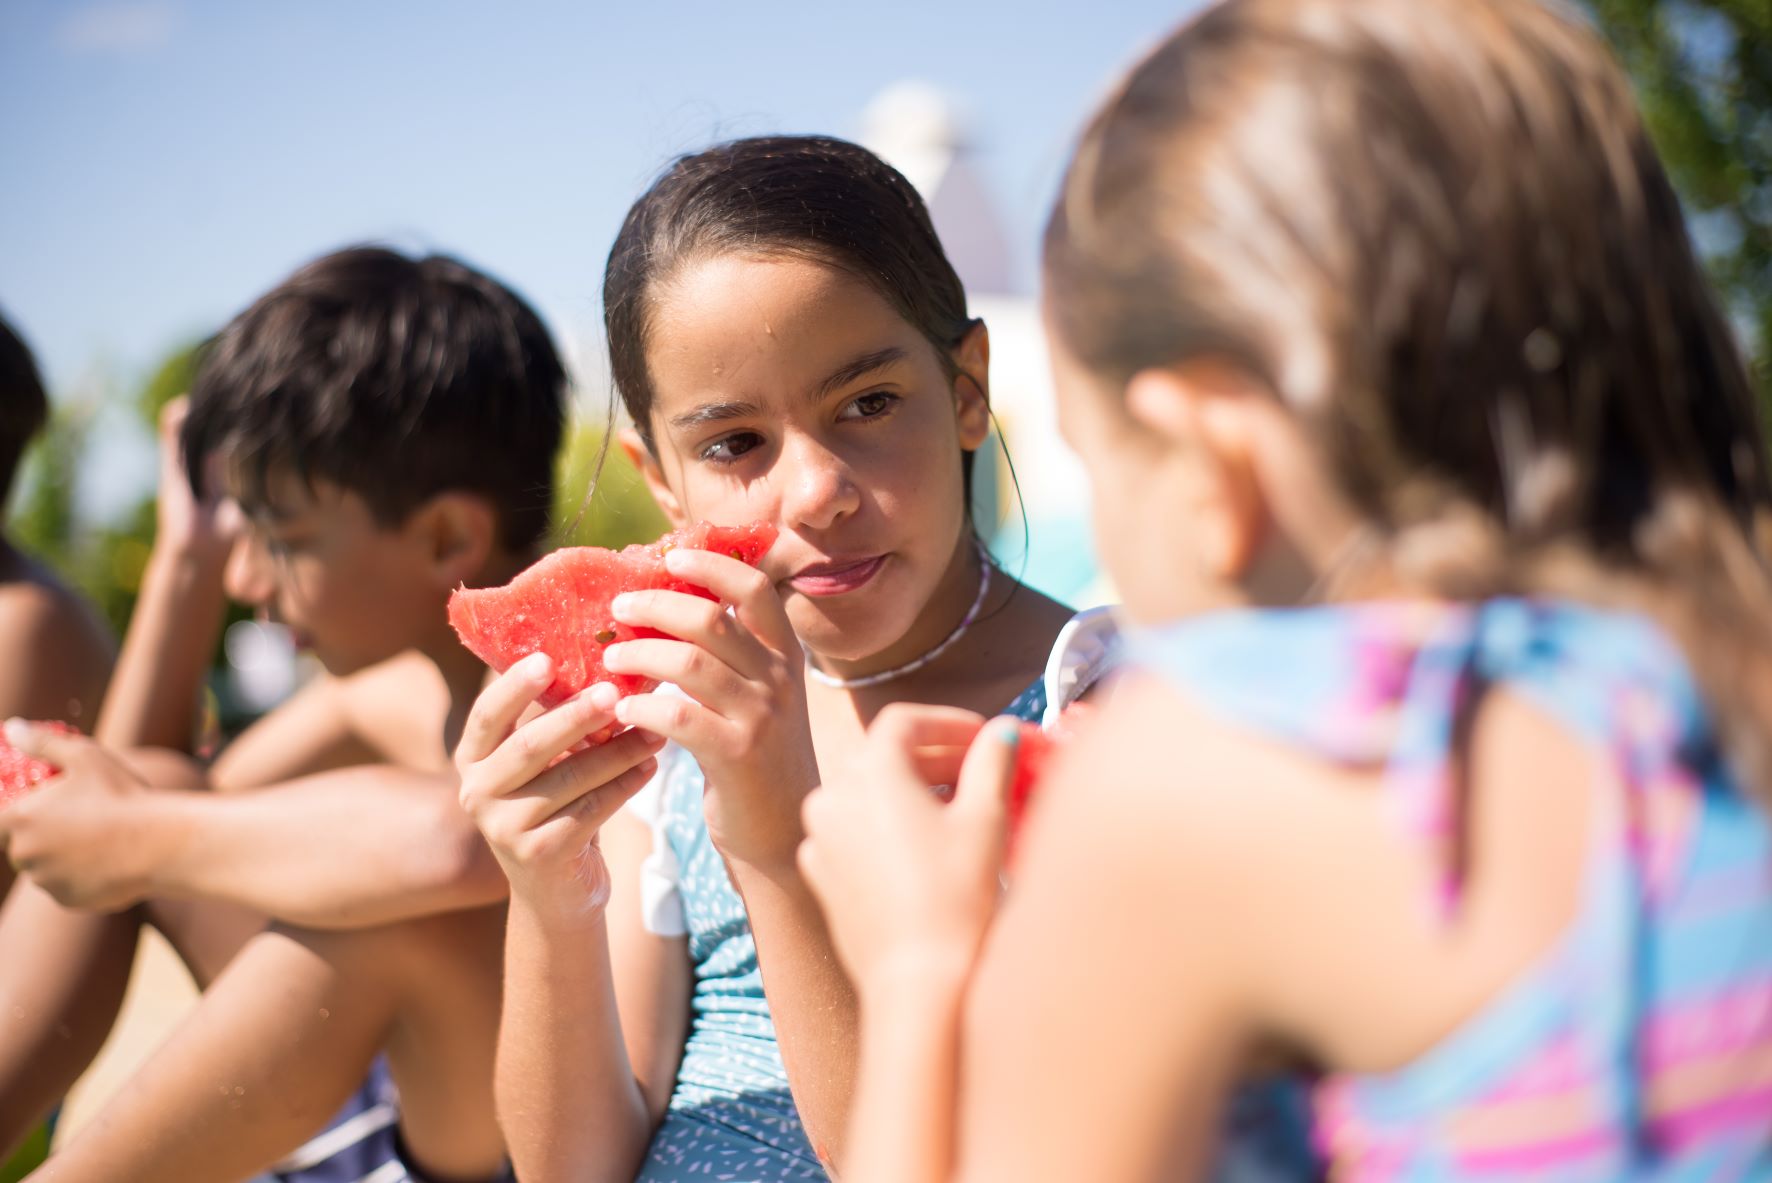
1640, 1045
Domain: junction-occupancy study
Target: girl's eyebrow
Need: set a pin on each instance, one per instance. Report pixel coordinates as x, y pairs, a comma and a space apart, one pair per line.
848, 372
842, 376
712, 413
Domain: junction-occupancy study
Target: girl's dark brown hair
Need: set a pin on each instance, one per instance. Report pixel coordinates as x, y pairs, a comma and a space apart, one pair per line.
1438, 231
813, 196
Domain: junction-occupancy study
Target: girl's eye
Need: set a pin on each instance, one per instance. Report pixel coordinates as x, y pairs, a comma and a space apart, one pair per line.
730, 447
868, 406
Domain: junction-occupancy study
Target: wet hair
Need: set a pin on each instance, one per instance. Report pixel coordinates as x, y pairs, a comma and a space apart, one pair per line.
24, 408
1438, 232
392, 377
809, 196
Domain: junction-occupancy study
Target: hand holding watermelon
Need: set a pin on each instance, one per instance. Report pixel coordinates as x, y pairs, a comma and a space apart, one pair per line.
540, 790
909, 883
744, 718
72, 831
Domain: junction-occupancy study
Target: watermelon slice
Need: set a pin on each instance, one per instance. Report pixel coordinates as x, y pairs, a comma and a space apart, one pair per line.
19, 773
560, 605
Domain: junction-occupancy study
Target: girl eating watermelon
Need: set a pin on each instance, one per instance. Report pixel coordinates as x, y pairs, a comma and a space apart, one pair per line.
1423, 457
794, 349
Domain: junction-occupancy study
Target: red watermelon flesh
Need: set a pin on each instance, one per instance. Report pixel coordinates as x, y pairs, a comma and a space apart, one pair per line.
19, 773
560, 605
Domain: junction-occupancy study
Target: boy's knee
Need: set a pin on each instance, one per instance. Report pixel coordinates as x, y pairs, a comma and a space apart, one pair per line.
164, 768
443, 951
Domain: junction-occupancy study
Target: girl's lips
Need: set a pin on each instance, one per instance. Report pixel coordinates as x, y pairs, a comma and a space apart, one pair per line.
833, 579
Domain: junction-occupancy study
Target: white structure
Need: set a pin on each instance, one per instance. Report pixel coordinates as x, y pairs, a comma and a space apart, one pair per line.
915, 127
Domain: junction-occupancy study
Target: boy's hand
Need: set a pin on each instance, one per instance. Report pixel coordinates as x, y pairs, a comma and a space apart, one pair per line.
80, 836
745, 718
909, 884
204, 529
541, 791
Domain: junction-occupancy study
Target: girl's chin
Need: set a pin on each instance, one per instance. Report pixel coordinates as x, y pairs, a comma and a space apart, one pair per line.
827, 639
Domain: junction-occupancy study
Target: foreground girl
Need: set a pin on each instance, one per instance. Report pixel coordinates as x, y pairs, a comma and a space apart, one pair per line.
1385, 306
793, 347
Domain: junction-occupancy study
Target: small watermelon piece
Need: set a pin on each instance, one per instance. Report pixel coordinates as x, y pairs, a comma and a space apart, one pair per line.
560, 605
1034, 750
19, 773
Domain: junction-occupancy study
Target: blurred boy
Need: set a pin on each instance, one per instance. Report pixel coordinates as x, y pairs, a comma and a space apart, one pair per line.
388, 427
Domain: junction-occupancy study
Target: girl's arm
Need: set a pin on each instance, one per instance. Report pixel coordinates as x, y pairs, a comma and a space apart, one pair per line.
569, 1098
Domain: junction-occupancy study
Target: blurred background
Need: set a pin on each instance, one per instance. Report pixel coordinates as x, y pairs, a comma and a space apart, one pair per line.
168, 160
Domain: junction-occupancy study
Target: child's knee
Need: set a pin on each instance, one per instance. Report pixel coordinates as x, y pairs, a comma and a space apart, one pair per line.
164, 768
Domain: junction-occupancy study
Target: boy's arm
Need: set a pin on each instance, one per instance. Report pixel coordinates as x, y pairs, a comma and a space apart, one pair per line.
342, 849
351, 847
152, 700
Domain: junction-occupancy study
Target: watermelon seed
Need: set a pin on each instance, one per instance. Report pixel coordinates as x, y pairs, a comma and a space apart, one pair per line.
605, 635
736, 553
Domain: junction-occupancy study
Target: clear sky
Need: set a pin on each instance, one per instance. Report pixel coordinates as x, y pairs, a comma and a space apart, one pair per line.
165, 160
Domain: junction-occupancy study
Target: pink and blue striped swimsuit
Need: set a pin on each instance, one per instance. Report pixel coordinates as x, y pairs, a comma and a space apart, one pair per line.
1640, 1045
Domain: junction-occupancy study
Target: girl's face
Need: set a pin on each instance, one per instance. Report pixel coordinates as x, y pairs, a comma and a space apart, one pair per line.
788, 391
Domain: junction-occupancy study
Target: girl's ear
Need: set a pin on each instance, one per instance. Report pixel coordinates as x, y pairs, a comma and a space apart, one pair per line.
641, 457
456, 534
972, 386
1203, 414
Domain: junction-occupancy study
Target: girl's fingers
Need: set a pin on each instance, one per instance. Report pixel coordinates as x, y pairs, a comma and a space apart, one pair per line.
579, 776
528, 751
928, 739
692, 669
682, 720
598, 804
750, 592
982, 790
704, 623
500, 705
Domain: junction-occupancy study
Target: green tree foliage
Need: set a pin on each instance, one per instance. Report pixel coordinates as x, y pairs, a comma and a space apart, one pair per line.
599, 497
1703, 71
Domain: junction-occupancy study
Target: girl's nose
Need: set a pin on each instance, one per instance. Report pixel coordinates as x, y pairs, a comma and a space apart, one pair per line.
819, 490
247, 577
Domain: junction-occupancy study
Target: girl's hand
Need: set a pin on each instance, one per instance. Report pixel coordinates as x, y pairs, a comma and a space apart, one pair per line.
540, 793
908, 883
744, 720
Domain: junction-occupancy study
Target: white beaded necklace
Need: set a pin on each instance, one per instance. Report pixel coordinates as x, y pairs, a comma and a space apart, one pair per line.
916, 663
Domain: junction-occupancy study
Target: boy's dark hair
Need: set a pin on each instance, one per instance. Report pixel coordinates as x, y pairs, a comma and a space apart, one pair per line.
23, 406
394, 378
814, 196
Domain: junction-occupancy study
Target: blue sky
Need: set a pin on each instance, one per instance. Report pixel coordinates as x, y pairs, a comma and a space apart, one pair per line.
168, 159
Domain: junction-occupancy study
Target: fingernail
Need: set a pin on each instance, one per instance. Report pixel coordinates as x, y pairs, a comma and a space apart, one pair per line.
1009, 733
604, 695
620, 604
534, 665
16, 730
